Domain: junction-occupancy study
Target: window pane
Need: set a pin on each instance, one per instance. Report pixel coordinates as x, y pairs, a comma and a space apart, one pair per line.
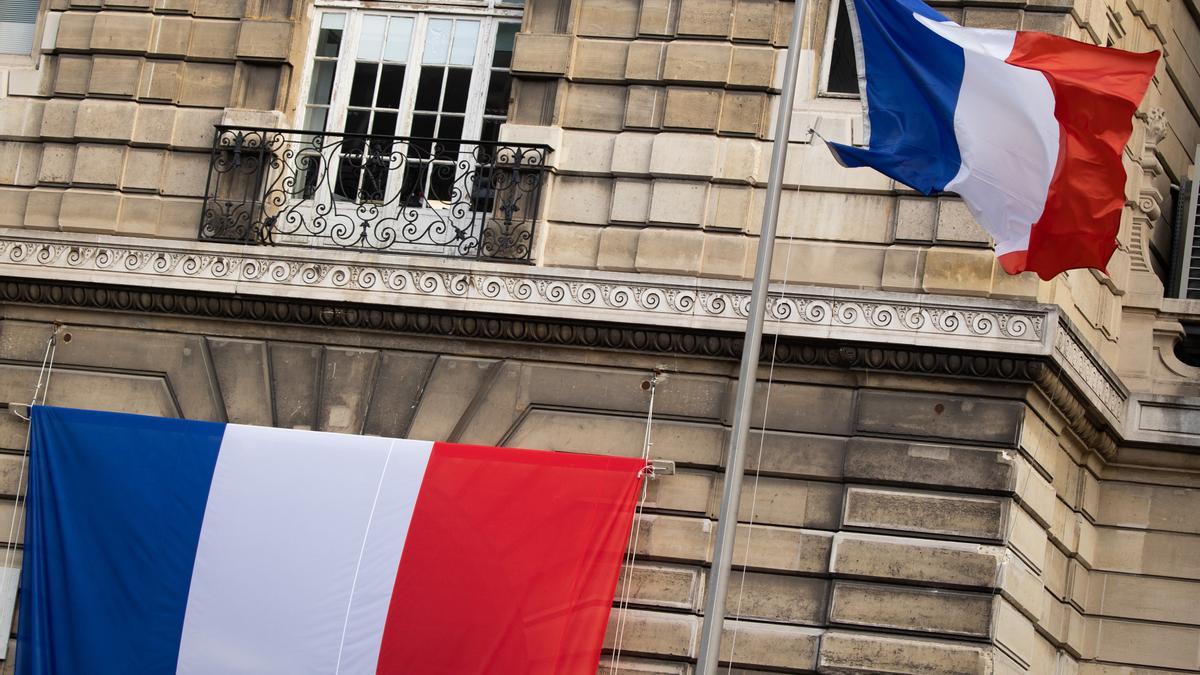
491, 130
391, 83
314, 119
497, 95
329, 38
505, 36
843, 68
322, 81
465, 35
458, 85
437, 41
356, 123
422, 126
429, 88
385, 124
370, 40
362, 89
399, 37
450, 128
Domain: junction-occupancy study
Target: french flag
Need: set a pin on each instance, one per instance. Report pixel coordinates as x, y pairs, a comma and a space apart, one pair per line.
1027, 127
158, 546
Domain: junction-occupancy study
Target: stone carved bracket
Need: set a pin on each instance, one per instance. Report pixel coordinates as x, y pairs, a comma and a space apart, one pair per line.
936, 322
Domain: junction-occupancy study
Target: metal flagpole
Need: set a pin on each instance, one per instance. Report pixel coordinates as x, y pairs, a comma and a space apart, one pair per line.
714, 605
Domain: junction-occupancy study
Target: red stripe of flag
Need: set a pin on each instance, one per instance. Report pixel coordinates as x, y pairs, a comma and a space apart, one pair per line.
510, 563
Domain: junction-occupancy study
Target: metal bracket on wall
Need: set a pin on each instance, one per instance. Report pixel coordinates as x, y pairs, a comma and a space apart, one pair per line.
20, 410
660, 467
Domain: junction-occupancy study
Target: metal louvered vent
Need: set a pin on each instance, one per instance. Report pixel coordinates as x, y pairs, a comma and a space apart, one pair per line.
18, 21
1185, 272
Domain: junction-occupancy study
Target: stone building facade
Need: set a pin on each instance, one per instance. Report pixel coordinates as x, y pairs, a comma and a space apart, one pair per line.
956, 471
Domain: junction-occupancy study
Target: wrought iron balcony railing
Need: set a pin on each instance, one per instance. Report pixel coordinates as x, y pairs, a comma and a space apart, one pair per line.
467, 199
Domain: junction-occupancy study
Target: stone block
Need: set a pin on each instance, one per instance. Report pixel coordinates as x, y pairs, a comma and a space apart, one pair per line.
115, 76
599, 60
754, 20
185, 175
180, 218
541, 54
631, 154
260, 40
676, 202
739, 160
875, 606
921, 561
787, 502
941, 417
607, 18
143, 169
657, 18
594, 106
779, 598
571, 246
902, 268
644, 108
618, 249
648, 632
1014, 633
743, 113
220, 9
992, 17
956, 224
194, 128
580, 200
813, 262
121, 32
725, 256
731, 207
1129, 642
206, 84
89, 211
850, 652
670, 251
683, 156
1027, 538
1021, 585
215, 40
101, 120
705, 17
72, 75
74, 31
175, 6
644, 61
171, 36
22, 118
139, 215
630, 201
752, 67
161, 81
98, 165
692, 108
42, 208
661, 585
586, 152
129, 4
768, 645
915, 218
154, 125
873, 460
20, 163
1024, 286
57, 165
13, 202
696, 63
959, 516
783, 549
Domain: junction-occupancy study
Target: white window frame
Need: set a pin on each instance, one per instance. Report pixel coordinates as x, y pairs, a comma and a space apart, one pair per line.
44, 33
489, 19
827, 55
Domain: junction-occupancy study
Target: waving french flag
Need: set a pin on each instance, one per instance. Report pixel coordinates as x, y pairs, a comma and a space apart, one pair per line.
1027, 127
160, 546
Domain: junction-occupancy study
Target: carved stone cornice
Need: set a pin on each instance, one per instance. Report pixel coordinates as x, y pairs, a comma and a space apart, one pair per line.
686, 315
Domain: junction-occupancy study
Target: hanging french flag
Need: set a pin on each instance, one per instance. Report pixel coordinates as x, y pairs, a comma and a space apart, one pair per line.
157, 546
1027, 127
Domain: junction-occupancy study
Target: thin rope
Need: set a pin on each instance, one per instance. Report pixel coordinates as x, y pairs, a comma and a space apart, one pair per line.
362, 552
41, 389
634, 532
762, 438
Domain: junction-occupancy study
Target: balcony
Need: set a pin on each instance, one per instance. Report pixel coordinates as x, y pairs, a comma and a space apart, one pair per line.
455, 198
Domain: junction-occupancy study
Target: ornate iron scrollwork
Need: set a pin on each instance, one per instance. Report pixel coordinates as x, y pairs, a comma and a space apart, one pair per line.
466, 199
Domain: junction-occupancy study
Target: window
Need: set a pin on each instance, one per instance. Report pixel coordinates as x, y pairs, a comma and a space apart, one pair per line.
18, 26
436, 79
839, 72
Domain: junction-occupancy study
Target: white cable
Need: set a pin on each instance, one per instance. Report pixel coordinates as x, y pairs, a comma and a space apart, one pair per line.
631, 549
762, 437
